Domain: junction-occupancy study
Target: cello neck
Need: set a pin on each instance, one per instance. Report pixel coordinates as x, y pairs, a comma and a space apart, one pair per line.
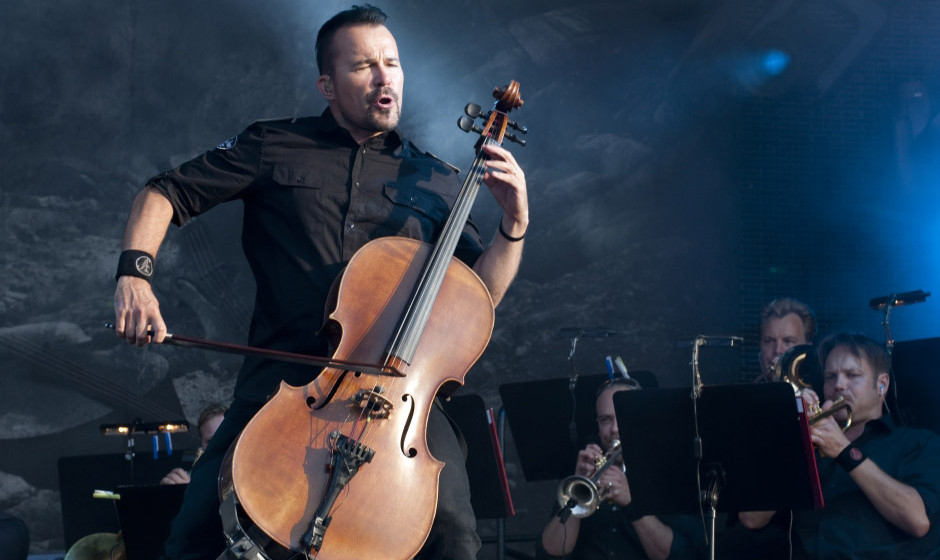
405, 343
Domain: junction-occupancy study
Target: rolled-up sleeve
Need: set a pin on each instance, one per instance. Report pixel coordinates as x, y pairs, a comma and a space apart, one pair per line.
216, 176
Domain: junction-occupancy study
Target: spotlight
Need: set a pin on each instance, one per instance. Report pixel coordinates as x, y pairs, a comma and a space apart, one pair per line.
775, 62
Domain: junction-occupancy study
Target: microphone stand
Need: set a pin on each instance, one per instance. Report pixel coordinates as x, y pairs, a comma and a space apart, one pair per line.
572, 383
714, 477
576, 333
887, 304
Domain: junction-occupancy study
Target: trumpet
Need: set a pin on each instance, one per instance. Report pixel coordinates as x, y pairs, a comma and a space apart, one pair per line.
817, 414
579, 495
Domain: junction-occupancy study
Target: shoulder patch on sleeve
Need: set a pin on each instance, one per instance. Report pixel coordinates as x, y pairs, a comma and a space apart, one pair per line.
450, 165
228, 144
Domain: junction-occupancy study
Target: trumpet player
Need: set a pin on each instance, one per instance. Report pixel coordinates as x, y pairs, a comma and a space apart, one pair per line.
613, 530
881, 482
784, 323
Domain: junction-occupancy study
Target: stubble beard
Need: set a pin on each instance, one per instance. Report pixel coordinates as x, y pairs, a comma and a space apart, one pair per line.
379, 119
383, 120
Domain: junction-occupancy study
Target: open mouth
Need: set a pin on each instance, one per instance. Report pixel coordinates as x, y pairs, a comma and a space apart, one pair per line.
384, 100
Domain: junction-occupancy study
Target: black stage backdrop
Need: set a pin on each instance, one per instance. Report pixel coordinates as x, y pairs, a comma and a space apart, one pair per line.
687, 162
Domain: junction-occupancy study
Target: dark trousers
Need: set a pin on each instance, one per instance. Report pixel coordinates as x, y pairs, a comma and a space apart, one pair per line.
196, 532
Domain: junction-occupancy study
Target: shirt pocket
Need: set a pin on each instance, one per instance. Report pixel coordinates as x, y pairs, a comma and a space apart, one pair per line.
415, 212
297, 177
301, 200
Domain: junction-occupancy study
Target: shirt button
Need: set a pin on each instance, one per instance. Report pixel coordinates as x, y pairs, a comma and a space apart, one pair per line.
413, 199
352, 225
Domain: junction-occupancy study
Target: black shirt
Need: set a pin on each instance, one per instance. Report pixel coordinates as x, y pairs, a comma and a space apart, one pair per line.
312, 197
609, 534
849, 526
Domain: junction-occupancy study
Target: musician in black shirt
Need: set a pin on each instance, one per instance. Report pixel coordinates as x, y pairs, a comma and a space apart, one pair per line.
614, 530
881, 482
314, 191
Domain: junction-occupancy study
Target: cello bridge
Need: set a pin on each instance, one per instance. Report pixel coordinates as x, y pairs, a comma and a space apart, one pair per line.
373, 403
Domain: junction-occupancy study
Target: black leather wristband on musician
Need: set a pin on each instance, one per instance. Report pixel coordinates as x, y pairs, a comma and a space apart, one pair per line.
629, 511
850, 457
509, 237
135, 263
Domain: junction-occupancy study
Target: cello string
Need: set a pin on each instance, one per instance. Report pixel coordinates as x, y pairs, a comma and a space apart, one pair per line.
437, 264
435, 270
405, 340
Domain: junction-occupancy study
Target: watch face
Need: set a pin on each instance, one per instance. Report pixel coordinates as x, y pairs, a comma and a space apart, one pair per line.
144, 265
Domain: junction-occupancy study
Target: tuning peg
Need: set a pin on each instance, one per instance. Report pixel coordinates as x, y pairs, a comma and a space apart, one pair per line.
515, 126
472, 110
466, 124
513, 138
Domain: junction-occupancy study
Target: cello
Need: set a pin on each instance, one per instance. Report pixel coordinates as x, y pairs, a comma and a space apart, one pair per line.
340, 468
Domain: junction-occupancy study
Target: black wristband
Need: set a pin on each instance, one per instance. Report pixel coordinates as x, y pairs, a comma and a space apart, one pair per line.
509, 237
135, 263
850, 458
629, 511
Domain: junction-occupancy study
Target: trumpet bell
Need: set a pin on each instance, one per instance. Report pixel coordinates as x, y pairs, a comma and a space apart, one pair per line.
579, 494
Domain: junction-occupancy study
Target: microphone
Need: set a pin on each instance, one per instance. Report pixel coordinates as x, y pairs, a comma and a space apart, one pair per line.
710, 340
586, 332
899, 300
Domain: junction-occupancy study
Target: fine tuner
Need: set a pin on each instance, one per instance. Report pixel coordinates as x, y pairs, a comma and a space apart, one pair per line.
473, 111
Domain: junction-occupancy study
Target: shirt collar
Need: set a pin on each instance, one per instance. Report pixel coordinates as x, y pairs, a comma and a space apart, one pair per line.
883, 425
392, 140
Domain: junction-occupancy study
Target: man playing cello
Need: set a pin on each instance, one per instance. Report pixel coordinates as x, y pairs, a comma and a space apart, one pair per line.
315, 190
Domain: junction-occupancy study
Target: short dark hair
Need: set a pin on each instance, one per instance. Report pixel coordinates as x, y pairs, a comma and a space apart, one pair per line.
211, 411
860, 346
782, 307
366, 14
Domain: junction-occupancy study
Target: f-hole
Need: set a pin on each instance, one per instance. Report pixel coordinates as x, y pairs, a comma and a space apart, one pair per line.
411, 452
311, 401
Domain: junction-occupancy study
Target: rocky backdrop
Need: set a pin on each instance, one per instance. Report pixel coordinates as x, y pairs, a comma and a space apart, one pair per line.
687, 161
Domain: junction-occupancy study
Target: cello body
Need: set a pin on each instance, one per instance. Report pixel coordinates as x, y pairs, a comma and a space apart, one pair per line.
340, 468
281, 464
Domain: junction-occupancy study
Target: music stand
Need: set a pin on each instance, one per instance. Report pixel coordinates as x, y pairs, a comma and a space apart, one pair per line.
145, 513
80, 476
916, 383
755, 451
489, 488
547, 410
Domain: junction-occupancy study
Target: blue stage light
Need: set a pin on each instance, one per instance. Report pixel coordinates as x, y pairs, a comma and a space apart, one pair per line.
774, 62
